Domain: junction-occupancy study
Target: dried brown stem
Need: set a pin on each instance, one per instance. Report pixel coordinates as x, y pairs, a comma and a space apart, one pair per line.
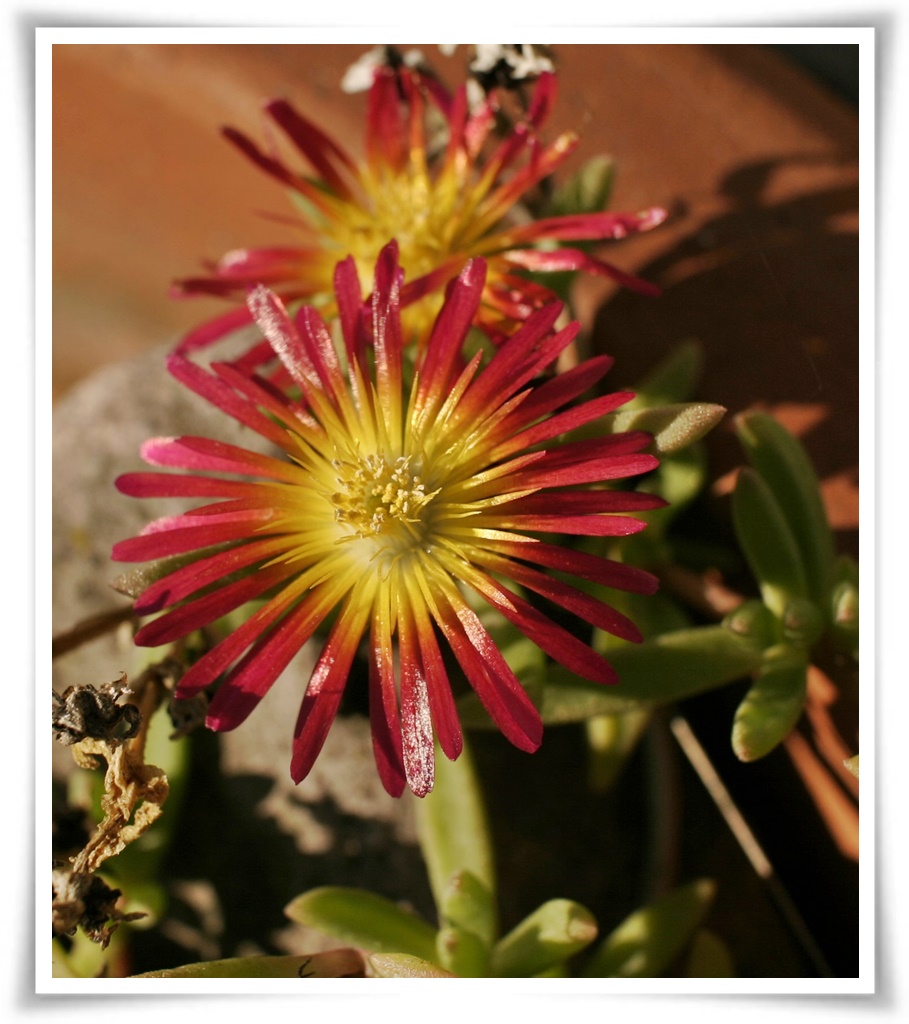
90, 629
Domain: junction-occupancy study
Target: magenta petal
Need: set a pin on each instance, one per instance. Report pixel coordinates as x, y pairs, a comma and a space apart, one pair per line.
383, 701
321, 150
204, 610
563, 388
164, 540
385, 727
557, 642
592, 610
198, 574
441, 699
590, 471
223, 397
585, 502
486, 670
326, 687
215, 457
561, 423
298, 626
416, 729
443, 359
212, 331
590, 526
518, 360
580, 563
172, 485
574, 259
587, 226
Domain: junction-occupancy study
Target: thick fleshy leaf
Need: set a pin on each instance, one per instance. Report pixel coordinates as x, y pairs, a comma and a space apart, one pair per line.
709, 957
786, 469
754, 623
844, 606
680, 663
365, 920
772, 705
647, 941
664, 669
587, 190
768, 542
468, 905
673, 427
674, 379
803, 623
338, 963
401, 965
455, 842
462, 953
610, 741
550, 935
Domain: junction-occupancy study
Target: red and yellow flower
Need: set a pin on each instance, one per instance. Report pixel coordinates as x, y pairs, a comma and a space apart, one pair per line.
443, 203
391, 499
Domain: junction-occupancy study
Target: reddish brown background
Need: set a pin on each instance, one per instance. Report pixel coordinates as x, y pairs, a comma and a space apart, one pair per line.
758, 163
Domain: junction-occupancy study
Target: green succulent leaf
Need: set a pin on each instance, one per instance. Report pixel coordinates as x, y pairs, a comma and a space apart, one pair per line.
462, 953
680, 664
786, 469
674, 379
402, 965
768, 542
338, 963
611, 739
772, 705
467, 905
754, 623
803, 623
844, 606
455, 842
665, 669
587, 191
648, 940
709, 957
673, 427
365, 920
550, 935
678, 480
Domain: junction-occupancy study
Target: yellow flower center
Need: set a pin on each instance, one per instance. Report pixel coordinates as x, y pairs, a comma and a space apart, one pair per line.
381, 500
429, 216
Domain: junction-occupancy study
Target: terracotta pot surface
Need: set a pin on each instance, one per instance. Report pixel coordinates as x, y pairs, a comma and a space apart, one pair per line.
758, 164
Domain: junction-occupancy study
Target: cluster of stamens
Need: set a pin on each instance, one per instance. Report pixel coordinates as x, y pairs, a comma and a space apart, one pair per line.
379, 498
